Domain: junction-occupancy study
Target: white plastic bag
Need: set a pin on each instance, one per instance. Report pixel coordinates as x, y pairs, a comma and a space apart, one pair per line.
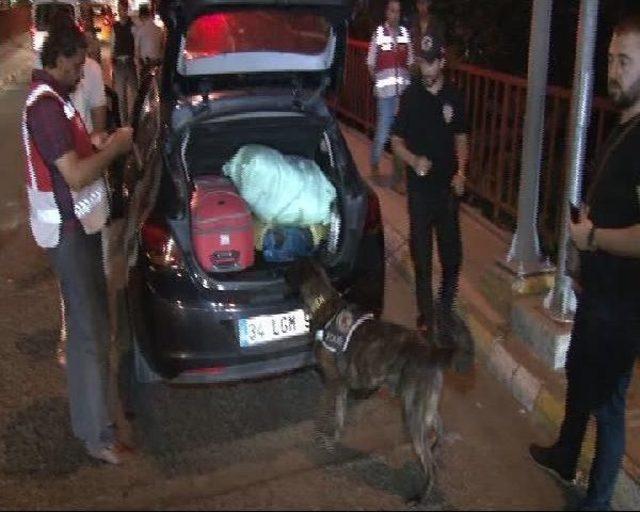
281, 189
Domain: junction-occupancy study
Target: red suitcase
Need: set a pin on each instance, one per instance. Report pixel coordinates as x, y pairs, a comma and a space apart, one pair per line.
221, 226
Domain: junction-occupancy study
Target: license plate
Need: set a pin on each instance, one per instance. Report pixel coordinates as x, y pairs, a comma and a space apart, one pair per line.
261, 329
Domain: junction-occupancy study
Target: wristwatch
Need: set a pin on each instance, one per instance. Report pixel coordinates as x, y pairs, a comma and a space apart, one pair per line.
591, 239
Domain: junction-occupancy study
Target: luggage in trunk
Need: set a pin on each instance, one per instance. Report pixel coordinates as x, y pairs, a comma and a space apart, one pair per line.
287, 243
221, 226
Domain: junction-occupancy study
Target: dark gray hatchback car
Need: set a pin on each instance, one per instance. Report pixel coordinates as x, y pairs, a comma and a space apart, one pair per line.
239, 72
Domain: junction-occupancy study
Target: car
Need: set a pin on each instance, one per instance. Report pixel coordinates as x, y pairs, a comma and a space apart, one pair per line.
43, 11
238, 72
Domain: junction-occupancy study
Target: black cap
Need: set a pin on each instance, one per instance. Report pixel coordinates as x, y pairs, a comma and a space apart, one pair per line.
431, 48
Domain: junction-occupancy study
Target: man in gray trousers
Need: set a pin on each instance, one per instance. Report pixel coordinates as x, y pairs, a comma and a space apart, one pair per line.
68, 208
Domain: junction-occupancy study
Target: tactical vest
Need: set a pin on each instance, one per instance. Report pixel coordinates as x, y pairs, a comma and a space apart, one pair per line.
392, 64
336, 335
90, 204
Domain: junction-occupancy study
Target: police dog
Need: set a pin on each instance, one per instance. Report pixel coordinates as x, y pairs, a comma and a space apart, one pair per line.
383, 353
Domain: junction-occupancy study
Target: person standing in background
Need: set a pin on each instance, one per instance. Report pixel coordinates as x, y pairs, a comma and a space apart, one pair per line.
389, 57
149, 42
125, 81
425, 23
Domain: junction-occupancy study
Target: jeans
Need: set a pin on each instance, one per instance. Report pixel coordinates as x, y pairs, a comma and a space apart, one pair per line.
437, 211
599, 368
77, 263
386, 113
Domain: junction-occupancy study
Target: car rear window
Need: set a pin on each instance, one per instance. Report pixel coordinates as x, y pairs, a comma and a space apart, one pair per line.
257, 30
46, 12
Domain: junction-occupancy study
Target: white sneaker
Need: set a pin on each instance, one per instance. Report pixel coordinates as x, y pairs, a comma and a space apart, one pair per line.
114, 453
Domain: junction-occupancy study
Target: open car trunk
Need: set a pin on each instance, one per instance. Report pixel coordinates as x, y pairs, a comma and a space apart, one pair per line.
208, 145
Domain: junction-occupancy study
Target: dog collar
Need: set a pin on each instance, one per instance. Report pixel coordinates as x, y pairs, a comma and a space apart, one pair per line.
337, 333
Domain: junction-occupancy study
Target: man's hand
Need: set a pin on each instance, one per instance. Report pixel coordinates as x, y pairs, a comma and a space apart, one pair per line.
579, 232
99, 139
422, 165
121, 140
458, 183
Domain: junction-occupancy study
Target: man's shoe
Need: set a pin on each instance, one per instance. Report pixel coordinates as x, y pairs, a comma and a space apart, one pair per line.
550, 460
115, 453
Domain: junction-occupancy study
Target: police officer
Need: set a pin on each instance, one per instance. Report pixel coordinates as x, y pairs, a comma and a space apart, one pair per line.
604, 341
429, 135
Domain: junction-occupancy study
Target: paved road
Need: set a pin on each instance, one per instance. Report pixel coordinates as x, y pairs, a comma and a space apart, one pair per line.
243, 446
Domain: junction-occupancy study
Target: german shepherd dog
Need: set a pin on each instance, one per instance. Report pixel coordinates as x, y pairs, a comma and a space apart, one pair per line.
383, 353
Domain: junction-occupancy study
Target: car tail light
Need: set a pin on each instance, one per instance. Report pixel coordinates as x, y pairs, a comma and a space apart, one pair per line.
373, 220
159, 246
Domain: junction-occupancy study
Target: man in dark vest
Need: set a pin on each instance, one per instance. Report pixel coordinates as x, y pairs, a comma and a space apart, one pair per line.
124, 71
604, 341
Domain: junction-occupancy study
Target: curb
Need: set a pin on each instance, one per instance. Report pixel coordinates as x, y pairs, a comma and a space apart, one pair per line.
528, 390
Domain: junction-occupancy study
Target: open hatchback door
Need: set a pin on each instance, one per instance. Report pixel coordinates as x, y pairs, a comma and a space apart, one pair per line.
231, 44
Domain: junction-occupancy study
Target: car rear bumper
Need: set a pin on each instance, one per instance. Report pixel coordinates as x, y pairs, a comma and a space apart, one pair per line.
185, 338
252, 370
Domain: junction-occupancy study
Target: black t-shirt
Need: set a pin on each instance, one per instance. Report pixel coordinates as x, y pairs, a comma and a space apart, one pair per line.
614, 202
428, 123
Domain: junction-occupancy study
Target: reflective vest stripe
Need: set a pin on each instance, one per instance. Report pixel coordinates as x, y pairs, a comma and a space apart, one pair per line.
90, 204
392, 80
50, 216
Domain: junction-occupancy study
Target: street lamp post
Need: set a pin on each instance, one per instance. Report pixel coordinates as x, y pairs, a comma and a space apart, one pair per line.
560, 303
524, 256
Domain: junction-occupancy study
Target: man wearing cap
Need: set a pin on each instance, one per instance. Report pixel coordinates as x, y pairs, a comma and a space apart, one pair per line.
430, 136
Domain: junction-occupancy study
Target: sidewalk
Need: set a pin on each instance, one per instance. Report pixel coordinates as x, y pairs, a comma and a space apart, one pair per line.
539, 389
16, 60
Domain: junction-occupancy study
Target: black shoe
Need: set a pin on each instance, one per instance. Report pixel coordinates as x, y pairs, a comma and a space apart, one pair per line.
550, 460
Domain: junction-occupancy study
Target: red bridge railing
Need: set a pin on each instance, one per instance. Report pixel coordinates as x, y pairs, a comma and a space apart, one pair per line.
495, 105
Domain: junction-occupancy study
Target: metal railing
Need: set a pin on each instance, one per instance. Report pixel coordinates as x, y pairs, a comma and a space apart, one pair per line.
495, 106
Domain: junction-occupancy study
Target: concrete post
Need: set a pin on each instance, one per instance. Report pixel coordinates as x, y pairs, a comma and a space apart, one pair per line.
561, 302
524, 257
